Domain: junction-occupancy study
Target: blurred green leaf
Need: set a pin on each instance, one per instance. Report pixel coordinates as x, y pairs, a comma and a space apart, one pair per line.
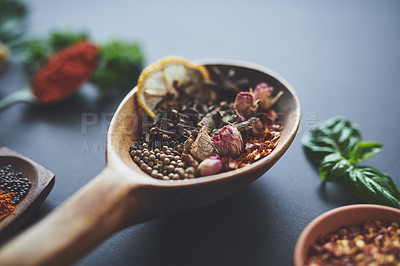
35, 54
120, 65
337, 134
60, 39
12, 9
333, 166
12, 15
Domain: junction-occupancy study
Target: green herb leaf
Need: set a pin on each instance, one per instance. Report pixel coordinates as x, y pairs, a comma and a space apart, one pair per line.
120, 65
364, 150
35, 54
337, 134
372, 186
318, 145
334, 166
60, 39
12, 15
336, 144
12, 9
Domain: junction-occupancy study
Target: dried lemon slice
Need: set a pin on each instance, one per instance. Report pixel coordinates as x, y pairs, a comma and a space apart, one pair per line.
169, 77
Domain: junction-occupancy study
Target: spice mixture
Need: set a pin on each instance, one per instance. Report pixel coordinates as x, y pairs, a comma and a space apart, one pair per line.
189, 138
13, 189
65, 72
371, 243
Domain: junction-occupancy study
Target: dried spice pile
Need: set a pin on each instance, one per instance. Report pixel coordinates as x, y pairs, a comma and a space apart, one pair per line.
371, 243
13, 189
65, 72
6, 206
188, 138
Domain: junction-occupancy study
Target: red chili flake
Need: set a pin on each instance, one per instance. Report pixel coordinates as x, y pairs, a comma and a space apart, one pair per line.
255, 149
371, 243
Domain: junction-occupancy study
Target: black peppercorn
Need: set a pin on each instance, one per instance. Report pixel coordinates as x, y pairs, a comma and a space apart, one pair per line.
12, 181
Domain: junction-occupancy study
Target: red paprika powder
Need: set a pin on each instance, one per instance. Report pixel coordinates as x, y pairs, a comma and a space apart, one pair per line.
65, 72
6, 206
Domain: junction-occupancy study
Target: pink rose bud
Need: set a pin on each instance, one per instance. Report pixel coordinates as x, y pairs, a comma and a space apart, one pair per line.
228, 141
263, 93
239, 118
244, 103
210, 166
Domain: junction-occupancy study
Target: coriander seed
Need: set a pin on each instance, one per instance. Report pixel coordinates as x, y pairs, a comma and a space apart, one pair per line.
190, 170
180, 171
154, 173
170, 168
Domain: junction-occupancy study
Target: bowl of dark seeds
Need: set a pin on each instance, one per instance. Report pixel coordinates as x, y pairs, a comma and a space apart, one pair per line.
23, 186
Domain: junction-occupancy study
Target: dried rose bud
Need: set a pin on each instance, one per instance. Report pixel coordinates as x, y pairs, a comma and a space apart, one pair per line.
263, 93
239, 118
210, 166
228, 141
244, 103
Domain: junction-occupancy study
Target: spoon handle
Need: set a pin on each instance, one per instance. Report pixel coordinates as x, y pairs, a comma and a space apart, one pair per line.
24, 95
94, 213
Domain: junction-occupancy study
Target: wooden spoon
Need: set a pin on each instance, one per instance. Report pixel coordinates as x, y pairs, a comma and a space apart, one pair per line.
122, 195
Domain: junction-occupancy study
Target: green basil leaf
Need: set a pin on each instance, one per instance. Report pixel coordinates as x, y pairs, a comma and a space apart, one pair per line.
318, 147
372, 186
337, 134
334, 166
364, 150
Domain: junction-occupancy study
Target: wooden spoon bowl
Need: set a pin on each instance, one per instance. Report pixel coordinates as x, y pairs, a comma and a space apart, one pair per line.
123, 195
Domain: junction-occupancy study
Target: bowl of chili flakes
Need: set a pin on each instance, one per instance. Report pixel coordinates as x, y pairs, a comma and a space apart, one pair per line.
351, 235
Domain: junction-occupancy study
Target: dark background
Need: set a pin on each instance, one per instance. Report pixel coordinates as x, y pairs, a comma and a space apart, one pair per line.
342, 58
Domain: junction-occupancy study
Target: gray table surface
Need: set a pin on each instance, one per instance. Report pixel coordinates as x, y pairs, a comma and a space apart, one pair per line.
342, 57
